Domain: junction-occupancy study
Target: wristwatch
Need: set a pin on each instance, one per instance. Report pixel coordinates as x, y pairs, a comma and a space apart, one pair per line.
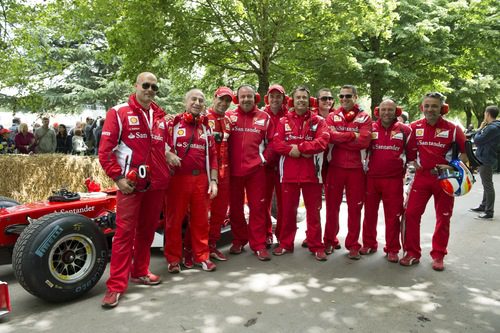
214, 180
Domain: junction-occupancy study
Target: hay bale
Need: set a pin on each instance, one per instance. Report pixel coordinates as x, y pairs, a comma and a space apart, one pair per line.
28, 178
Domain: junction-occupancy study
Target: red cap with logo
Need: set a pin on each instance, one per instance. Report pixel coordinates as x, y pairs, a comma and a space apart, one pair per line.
224, 91
276, 87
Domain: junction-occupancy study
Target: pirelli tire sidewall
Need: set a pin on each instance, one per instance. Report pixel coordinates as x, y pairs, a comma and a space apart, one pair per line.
44, 256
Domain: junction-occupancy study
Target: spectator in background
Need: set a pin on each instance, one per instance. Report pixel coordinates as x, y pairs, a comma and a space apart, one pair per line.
469, 132
487, 139
7, 145
64, 141
14, 128
79, 146
89, 134
79, 125
25, 140
98, 133
45, 138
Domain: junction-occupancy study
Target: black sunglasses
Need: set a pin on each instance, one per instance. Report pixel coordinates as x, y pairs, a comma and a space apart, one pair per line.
147, 85
326, 98
345, 96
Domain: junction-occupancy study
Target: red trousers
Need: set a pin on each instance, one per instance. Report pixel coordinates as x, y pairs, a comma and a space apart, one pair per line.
273, 185
311, 193
218, 211
137, 217
187, 192
424, 186
353, 180
255, 232
217, 216
390, 191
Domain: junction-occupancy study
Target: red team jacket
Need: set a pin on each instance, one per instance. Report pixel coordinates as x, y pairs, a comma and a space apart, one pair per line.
220, 130
387, 152
347, 151
310, 133
201, 156
132, 137
249, 135
275, 120
431, 145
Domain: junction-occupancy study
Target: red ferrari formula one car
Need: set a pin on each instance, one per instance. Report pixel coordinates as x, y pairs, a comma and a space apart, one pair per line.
59, 247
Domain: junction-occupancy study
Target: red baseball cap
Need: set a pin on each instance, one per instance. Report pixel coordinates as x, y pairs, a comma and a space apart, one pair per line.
277, 87
4, 130
224, 91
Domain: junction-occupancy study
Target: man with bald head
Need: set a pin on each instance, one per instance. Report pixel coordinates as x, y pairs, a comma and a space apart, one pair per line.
132, 153
386, 168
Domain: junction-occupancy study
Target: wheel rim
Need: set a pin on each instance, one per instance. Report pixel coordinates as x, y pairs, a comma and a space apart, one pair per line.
71, 258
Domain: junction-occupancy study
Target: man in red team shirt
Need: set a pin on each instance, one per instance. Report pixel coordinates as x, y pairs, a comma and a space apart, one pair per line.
276, 107
301, 139
325, 102
220, 130
386, 169
429, 147
132, 153
250, 131
218, 205
194, 160
350, 134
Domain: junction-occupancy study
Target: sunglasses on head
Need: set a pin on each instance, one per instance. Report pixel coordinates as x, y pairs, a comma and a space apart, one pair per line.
326, 98
345, 96
147, 85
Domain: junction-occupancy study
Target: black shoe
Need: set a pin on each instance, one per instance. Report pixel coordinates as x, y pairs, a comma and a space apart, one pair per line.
484, 216
477, 209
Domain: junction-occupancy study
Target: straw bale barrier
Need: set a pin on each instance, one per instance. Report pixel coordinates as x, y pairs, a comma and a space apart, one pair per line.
28, 178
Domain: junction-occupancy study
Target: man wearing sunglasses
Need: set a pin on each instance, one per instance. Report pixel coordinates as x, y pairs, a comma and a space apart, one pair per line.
276, 107
132, 153
350, 135
325, 102
430, 148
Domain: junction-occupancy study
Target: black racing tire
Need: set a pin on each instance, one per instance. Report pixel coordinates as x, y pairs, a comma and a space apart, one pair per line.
60, 256
7, 202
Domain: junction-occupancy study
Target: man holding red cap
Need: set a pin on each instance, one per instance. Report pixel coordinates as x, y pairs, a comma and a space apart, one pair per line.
250, 131
350, 134
132, 153
384, 181
276, 107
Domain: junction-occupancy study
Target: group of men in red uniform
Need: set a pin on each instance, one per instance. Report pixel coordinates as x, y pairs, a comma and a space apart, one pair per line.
206, 161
